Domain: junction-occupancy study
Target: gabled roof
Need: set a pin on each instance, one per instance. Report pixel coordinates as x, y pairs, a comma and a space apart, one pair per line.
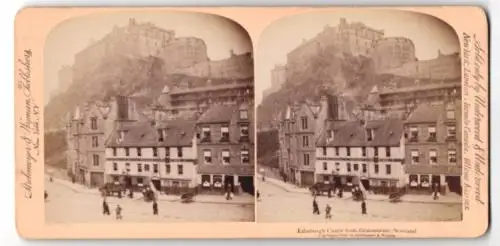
353, 133
426, 113
218, 114
144, 134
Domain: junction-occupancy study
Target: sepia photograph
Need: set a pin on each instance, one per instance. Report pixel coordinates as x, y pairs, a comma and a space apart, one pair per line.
149, 117
359, 118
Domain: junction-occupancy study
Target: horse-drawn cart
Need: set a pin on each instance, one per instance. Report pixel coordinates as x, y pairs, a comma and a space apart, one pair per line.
396, 197
187, 198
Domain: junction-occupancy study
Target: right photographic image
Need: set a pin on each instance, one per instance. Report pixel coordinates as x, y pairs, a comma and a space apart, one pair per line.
359, 118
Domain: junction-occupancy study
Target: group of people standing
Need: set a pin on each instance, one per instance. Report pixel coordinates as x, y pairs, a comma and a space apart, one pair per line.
119, 209
328, 208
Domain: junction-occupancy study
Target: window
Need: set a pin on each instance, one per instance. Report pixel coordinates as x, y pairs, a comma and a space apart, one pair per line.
127, 167
155, 168
375, 151
139, 168
330, 135
95, 159
244, 134
206, 134
325, 166
114, 151
363, 151
243, 115
433, 157
388, 169
452, 156
225, 134
95, 141
139, 152
180, 169
432, 134
161, 136
245, 157
146, 167
375, 168
155, 151
306, 159
115, 166
324, 150
337, 151
450, 114
348, 167
413, 134
305, 141
140, 180
348, 151
303, 122
127, 152
369, 134
388, 151
452, 132
226, 159
364, 168
207, 154
415, 157
356, 167
337, 166
93, 123
167, 168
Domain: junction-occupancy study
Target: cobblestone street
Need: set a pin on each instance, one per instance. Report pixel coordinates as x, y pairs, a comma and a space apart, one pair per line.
278, 205
65, 205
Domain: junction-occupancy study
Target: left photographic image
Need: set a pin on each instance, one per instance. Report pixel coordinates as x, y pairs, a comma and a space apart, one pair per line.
149, 117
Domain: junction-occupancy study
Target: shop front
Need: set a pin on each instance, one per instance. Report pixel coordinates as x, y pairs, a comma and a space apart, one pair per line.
424, 179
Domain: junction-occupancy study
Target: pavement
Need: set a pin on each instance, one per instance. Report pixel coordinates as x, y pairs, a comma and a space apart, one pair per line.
450, 198
278, 205
65, 205
242, 199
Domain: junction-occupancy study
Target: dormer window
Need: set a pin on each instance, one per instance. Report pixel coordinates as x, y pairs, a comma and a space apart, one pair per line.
225, 134
303, 122
243, 115
413, 134
121, 137
206, 135
330, 135
161, 135
93, 123
432, 134
369, 134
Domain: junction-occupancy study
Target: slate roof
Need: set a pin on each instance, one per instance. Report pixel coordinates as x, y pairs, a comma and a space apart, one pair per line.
420, 88
353, 133
144, 134
210, 88
425, 113
218, 113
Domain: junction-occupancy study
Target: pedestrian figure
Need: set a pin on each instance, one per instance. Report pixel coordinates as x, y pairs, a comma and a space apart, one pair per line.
120, 194
329, 193
315, 207
363, 207
263, 178
105, 207
155, 208
118, 212
328, 211
340, 192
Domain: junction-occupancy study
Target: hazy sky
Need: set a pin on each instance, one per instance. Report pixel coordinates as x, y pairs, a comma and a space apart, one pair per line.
428, 34
72, 36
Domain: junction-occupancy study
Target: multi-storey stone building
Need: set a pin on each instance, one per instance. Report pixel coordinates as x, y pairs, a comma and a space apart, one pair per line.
433, 147
298, 132
162, 153
87, 129
236, 66
225, 148
278, 78
198, 99
393, 52
352, 152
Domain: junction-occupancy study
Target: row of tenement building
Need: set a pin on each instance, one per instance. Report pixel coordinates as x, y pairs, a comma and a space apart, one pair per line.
209, 149
416, 148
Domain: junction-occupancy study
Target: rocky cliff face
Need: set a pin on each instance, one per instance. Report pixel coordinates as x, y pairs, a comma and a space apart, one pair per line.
333, 73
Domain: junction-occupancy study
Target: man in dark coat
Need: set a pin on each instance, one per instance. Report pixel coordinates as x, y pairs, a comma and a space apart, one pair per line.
315, 207
105, 207
155, 208
363, 207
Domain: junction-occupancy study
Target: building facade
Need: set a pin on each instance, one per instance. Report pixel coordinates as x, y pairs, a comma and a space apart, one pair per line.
434, 147
161, 153
278, 78
393, 52
298, 132
226, 148
371, 153
87, 129
198, 99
